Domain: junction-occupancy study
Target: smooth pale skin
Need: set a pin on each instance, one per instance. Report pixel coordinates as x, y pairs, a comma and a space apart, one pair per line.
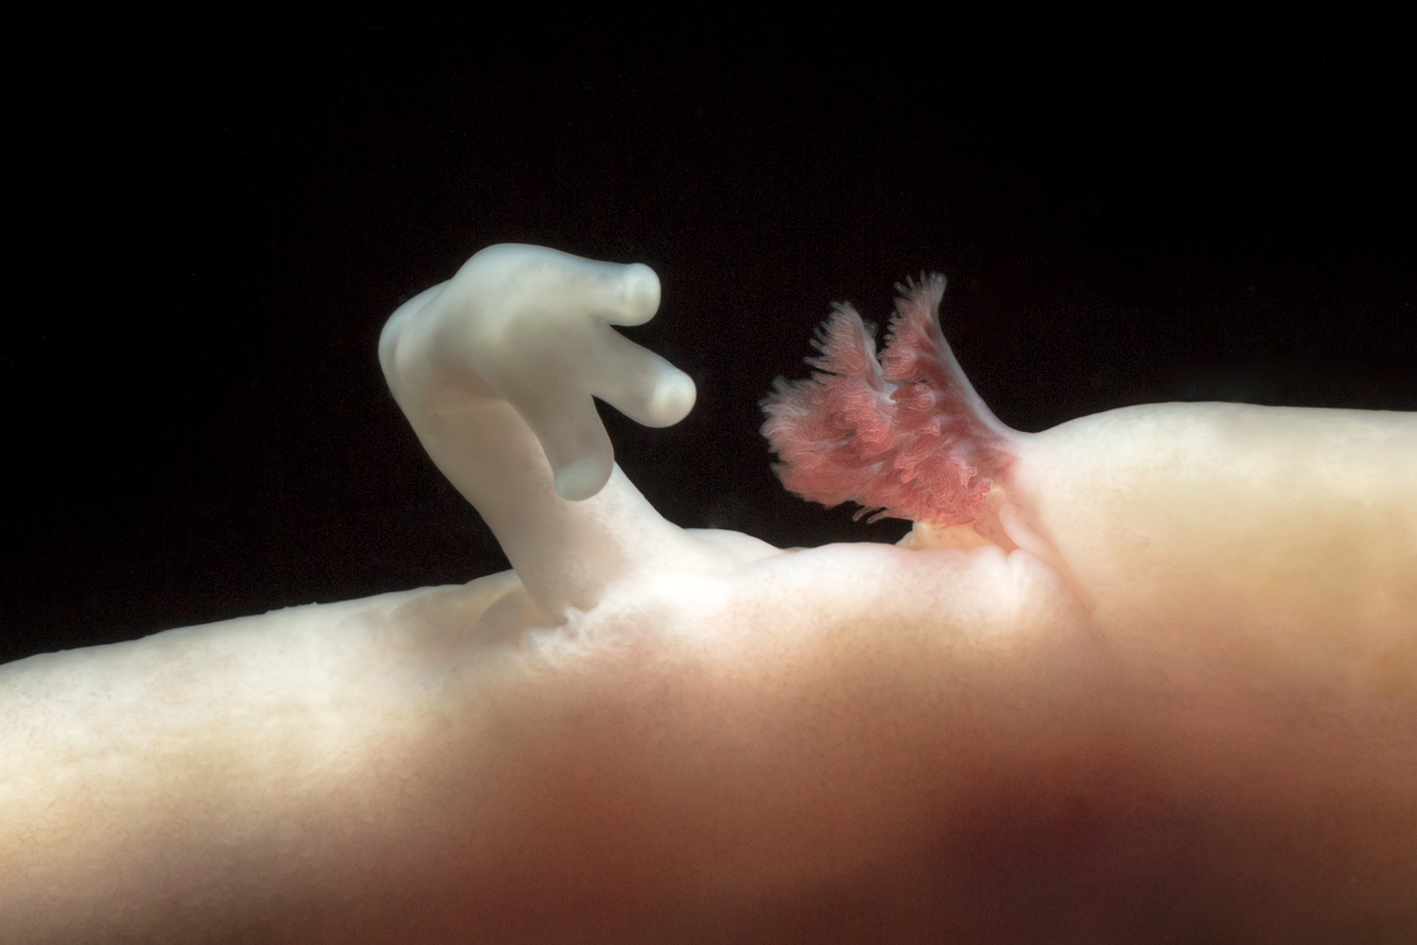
1188, 711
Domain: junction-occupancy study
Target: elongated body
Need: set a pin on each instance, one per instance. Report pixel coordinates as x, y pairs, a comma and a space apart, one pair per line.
1162, 685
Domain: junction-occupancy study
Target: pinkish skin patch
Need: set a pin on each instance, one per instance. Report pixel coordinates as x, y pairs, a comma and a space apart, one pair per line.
904, 436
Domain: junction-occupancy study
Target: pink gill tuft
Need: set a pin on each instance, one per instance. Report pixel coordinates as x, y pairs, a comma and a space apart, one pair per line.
904, 436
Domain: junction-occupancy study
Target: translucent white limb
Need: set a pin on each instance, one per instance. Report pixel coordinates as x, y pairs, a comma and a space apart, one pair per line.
496, 370
533, 324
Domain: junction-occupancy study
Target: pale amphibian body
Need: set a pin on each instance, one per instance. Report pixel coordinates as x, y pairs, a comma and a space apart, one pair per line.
1149, 675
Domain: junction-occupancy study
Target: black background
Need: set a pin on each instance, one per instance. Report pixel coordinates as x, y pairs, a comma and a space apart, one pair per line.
215, 218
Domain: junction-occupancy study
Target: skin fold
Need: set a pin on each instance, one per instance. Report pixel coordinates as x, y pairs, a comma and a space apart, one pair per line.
1170, 696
